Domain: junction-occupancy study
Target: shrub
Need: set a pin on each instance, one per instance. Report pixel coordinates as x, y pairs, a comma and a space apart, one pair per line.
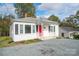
76, 36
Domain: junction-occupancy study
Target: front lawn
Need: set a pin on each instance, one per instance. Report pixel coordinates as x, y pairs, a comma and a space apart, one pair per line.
7, 41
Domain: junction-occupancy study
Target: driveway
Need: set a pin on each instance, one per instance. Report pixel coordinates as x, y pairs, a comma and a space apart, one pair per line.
53, 47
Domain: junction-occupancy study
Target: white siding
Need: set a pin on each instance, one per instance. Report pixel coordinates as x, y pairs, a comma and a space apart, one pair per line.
45, 30
19, 37
56, 33
28, 36
52, 34
57, 30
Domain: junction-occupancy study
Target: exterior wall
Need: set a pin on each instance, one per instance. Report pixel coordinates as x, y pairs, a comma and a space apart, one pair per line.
56, 33
28, 36
45, 30
66, 33
19, 37
53, 34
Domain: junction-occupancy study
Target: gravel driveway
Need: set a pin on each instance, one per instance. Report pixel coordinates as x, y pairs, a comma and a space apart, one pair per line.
53, 47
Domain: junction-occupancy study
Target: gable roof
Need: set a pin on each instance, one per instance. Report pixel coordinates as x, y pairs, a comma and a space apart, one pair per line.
34, 20
69, 28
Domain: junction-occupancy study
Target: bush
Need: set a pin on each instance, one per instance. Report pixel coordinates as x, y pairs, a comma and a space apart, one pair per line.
76, 36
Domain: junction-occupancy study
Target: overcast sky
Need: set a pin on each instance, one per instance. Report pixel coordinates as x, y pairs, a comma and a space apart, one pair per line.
61, 10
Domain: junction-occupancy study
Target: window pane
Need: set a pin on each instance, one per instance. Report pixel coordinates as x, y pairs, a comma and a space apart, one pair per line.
21, 29
27, 28
34, 29
51, 28
16, 28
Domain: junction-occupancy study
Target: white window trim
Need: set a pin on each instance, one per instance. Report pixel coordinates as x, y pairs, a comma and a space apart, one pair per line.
34, 28
15, 30
20, 28
20, 23
31, 28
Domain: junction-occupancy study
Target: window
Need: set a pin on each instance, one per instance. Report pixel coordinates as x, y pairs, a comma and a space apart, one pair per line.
16, 28
27, 28
51, 28
34, 29
21, 29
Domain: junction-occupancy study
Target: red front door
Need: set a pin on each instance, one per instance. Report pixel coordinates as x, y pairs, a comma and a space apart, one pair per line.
40, 30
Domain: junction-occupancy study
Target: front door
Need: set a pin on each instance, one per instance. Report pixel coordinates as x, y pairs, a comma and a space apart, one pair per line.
39, 30
62, 34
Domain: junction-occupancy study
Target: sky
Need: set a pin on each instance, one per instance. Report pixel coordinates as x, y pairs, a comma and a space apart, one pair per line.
61, 10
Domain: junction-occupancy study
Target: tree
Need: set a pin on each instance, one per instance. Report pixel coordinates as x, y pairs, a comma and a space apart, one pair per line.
25, 9
69, 22
76, 16
54, 18
77, 13
66, 24
5, 25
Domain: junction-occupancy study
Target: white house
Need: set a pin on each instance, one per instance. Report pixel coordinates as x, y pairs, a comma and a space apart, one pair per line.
31, 28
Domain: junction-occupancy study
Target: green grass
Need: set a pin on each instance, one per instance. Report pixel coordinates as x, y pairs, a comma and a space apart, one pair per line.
29, 41
7, 41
